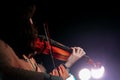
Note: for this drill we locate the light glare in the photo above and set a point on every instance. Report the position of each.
(84, 74)
(97, 73)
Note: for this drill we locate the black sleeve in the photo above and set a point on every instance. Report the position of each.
(10, 73)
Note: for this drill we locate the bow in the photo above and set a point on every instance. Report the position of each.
(50, 46)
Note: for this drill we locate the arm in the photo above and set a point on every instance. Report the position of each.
(12, 73)
(9, 70)
(20, 74)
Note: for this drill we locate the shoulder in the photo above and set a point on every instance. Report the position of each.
(6, 49)
(3, 45)
(7, 54)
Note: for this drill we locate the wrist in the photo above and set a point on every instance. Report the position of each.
(68, 64)
(66, 67)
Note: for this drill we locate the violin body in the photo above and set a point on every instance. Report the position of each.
(58, 50)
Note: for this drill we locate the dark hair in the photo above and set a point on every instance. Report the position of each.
(20, 32)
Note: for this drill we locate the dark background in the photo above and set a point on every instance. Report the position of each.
(94, 26)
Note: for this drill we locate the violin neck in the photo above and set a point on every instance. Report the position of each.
(55, 43)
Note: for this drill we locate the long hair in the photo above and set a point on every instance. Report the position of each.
(20, 32)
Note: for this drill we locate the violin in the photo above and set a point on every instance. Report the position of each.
(59, 51)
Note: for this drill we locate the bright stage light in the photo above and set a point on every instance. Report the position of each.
(97, 73)
(84, 74)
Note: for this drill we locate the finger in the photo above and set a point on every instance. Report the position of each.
(62, 68)
(60, 71)
(55, 72)
(84, 53)
(77, 50)
(50, 73)
(73, 48)
(80, 51)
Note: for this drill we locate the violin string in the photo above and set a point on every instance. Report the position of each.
(50, 47)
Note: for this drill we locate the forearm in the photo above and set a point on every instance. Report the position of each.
(20, 74)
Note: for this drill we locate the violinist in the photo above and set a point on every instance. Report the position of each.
(17, 46)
